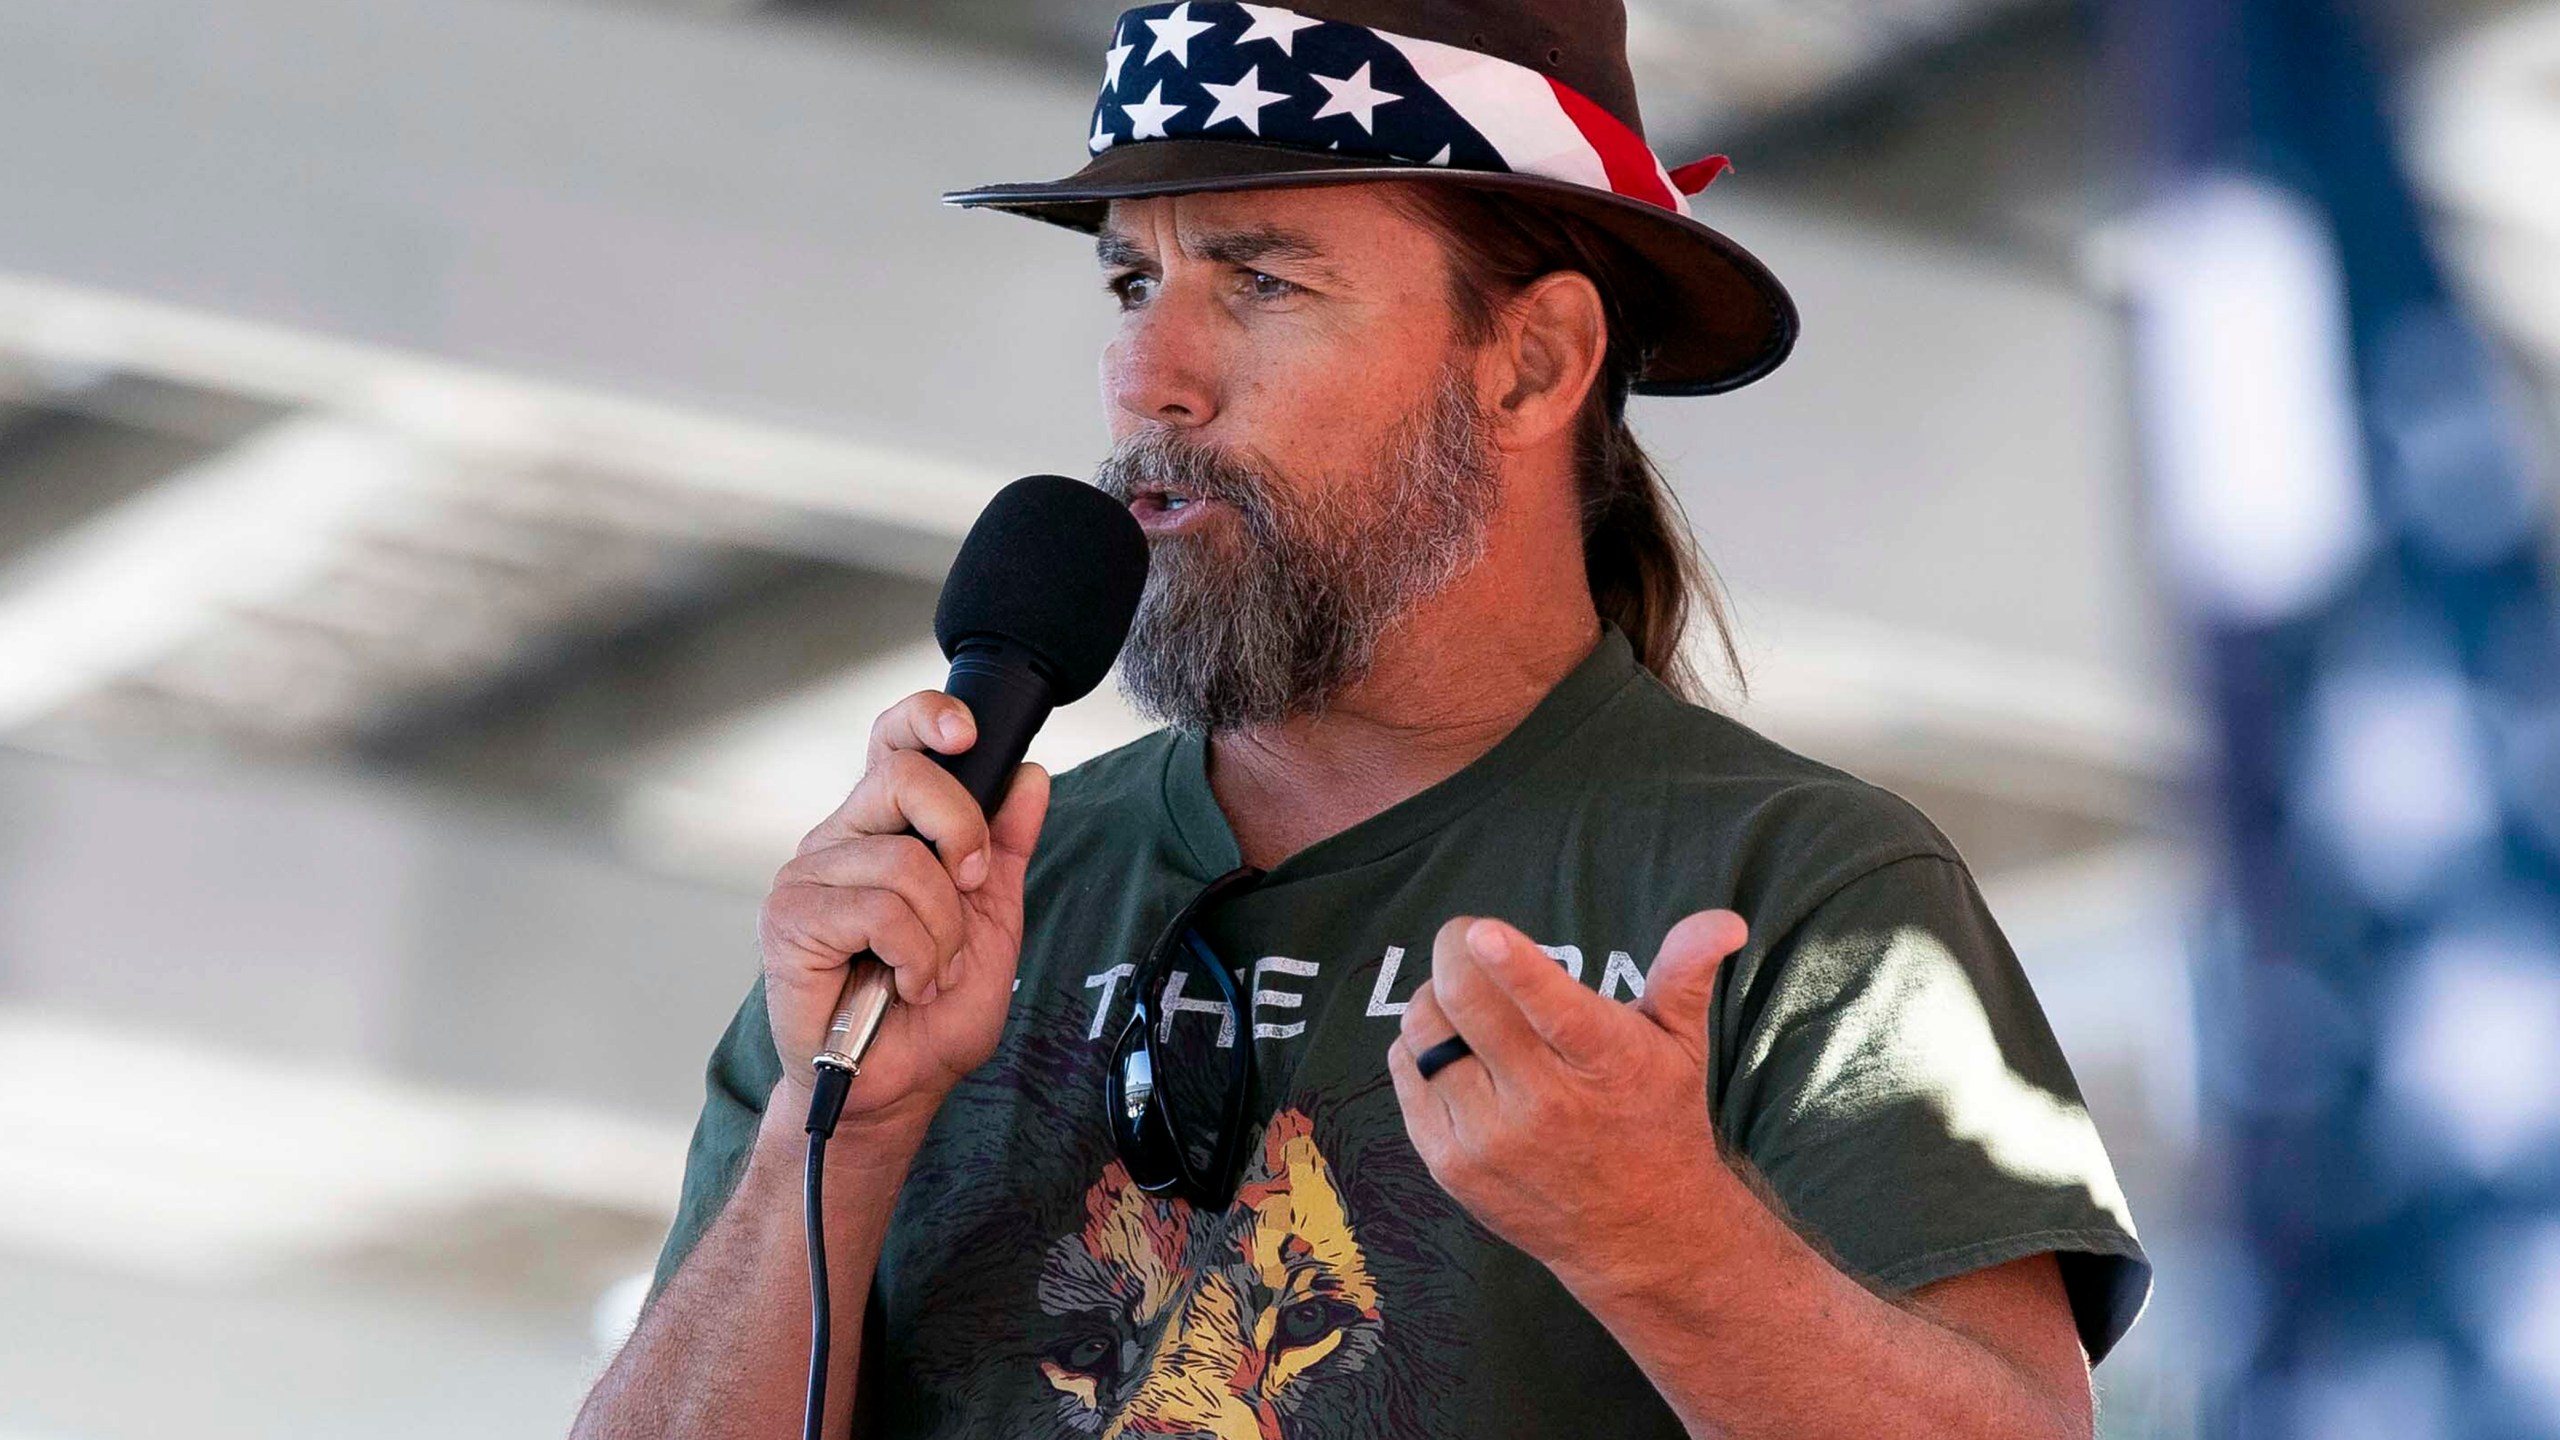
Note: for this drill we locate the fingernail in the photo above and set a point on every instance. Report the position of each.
(950, 728)
(973, 868)
(1485, 937)
(951, 973)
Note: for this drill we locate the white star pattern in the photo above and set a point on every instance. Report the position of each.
(1277, 25)
(1354, 96)
(1174, 34)
(1190, 104)
(1147, 117)
(1243, 101)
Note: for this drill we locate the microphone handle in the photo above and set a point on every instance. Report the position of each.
(1009, 699)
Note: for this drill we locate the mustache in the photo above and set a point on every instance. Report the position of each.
(1163, 460)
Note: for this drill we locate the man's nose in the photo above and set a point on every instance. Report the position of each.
(1161, 367)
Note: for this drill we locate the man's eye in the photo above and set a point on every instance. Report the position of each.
(1131, 289)
(1271, 287)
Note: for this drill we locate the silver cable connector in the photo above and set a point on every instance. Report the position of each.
(868, 993)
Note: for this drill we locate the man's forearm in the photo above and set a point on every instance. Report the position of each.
(723, 1350)
(1748, 1331)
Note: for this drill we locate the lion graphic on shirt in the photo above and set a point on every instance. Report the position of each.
(1050, 1297)
(1261, 1323)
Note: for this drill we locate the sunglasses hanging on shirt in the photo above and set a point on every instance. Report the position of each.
(1181, 1075)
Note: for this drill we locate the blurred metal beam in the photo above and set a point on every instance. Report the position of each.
(324, 581)
(582, 724)
(67, 453)
(799, 488)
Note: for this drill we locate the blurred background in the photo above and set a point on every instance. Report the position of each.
(471, 469)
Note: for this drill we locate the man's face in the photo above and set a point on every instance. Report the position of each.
(1297, 427)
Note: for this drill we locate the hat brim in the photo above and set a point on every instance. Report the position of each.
(1735, 321)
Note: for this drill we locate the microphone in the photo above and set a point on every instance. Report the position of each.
(1031, 616)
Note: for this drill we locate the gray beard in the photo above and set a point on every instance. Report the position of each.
(1246, 625)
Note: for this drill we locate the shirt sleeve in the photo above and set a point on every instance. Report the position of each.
(741, 1075)
(1898, 1087)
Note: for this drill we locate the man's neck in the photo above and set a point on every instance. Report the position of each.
(1448, 684)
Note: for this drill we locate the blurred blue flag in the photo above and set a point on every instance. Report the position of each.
(2344, 506)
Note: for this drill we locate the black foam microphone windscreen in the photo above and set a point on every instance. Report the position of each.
(1055, 566)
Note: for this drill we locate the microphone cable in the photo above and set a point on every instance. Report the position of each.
(826, 1105)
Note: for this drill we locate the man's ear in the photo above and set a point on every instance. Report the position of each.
(1554, 336)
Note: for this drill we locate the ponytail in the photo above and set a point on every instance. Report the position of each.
(1644, 566)
(1638, 555)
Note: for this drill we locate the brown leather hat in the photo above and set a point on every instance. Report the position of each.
(1532, 97)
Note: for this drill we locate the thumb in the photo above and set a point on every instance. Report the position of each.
(1683, 978)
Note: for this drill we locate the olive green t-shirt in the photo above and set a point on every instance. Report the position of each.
(1876, 1055)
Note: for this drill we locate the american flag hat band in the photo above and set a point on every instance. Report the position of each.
(1210, 95)
(1206, 68)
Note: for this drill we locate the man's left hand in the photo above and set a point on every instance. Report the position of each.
(1578, 1128)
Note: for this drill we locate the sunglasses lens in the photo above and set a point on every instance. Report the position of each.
(1176, 1073)
(1137, 1122)
(1197, 1038)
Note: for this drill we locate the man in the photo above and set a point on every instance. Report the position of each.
(1415, 627)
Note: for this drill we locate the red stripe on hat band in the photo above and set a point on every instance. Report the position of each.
(1630, 165)
(1697, 175)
